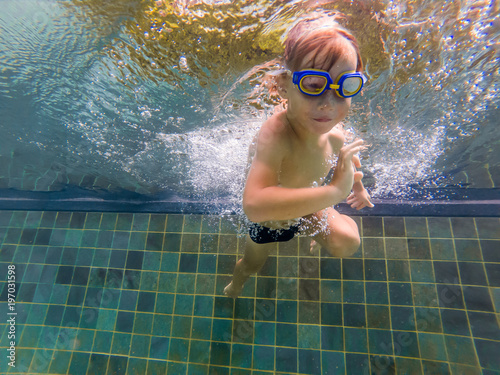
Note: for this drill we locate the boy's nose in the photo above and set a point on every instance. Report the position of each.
(328, 98)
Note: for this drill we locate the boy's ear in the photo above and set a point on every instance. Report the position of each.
(282, 84)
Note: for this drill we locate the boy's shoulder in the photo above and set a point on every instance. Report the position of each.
(274, 131)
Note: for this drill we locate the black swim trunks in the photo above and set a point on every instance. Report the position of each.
(262, 235)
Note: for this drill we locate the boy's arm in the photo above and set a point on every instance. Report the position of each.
(264, 200)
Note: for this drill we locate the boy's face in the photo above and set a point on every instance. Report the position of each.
(319, 114)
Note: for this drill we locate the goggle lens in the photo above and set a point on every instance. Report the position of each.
(351, 86)
(313, 85)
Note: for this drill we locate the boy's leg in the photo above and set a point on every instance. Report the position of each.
(335, 232)
(253, 259)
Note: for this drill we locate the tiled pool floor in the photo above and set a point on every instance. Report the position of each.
(101, 293)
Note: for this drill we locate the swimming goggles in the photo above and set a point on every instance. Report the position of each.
(314, 82)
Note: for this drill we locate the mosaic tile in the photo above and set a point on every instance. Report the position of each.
(143, 293)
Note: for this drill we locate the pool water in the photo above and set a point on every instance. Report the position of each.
(106, 293)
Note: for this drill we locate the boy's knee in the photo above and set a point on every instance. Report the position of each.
(344, 245)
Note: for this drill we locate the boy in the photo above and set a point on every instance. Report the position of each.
(295, 150)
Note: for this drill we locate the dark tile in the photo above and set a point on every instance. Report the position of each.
(468, 250)
(146, 301)
(372, 227)
(286, 334)
(378, 316)
(416, 227)
(450, 295)
(184, 304)
(396, 248)
(309, 267)
(309, 361)
(199, 351)
(243, 308)
(79, 363)
(69, 256)
(472, 273)
(428, 320)
(376, 293)
(490, 250)
(373, 247)
(117, 364)
(442, 249)
(375, 270)
(403, 318)
(104, 239)
(382, 364)
(188, 262)
(455, 322)
(157, 222)
(431, 367)
(484, 325)
(220, 353)
(190, 243)
(223, 307)
(76, 295)
(380, 341)
(226, 264)
(54, 315)
(398, 270)
(446, 272)
(124, 321)
(439, 227)
(81, 275)
(487, 351)
(64, 275)
(488, 227)
(352, 269)
(332, 338)
(400, 294)
(353, 292)
(131, 279)
(154, 242)
(181, 327)
(309, 290)
(114, 278)
(394, 227)
(286, 360)
(98, 364)
(477, 298)
(26, 292)
(203, 306)
(330, 268)
(265, 333)
(43, 236)
(120, 240)
(265, 309)
(309, 312)
(493, 272)
(159, 349)
(463, 227)
(422, 271)
(71, 316)
(357, 363)
(461, 350)
(266, 287)
(354, 315)
(405, 344)
(286, 311)
(118, 258)
(419, 248)
(207, 263)
(263, 358)
(243, 331)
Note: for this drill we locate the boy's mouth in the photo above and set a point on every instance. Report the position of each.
(322, 119)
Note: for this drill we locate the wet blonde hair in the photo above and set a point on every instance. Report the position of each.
(320, 37)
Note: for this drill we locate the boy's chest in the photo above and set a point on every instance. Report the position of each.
(306, 169)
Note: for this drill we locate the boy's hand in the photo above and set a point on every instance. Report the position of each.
(343, 177)
(359, 199)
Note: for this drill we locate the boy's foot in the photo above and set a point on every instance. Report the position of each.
(315, 248)
(230, 291)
